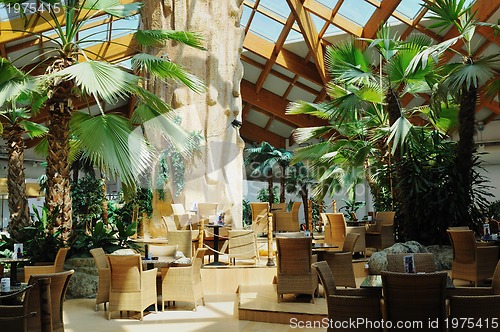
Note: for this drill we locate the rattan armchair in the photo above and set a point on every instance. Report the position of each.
(470, 261)
(42, 306)
(335, 231)
(294, 259)
(476, 309)
(424, 262)
(103, 272)
(242, 244)
(381, 234)
(348, 304)
(413, 297)
(131, 288)
(341, 262)
(259, 217)
(287, 221)
(184, 241)
(45, 269)
(183, 283)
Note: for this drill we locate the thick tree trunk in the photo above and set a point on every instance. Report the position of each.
(58, 195)
(18, 202)
(466, 147)
(304, 194)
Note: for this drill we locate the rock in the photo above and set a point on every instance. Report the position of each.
(378, 261)
(443, 256)
(83, 284)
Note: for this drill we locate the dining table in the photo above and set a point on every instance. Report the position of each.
(375, 281)
(13, 267)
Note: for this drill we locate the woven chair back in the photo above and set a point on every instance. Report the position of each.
(183, 240)
(125, 273)
(337, 228)
(294, 255)
(464, 245)
(279, 207)
(59, 282)
(325, 277)
(99, 258)
(60, 258)
(415, 296)
(424, 262)
(350, 242)
(295, 211)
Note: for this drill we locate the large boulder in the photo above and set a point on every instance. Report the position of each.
(443, 255)
(83, 284)
(378, 260)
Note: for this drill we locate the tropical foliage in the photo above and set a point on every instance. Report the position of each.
(71, 71)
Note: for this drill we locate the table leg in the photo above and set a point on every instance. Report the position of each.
(216, 249)
(13, 274)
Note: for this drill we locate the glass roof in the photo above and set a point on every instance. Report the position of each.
(358, 11)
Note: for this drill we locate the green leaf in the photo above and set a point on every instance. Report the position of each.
(34, 129)
(158, 37)
(108, 141)
(165, 69)
(399, 131)
(113, 7)
(100, 79)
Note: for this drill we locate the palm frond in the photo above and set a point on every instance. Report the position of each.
(107, 140)
(157, 37)
(399, 131)
(34, 130)
(301, 135)
(165, 69)
(100, 79)
(321, 110)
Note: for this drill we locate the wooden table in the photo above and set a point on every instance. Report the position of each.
(13, 268)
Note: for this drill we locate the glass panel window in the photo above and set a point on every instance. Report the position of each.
(279, 7)
(245, 16)
(358, 11)
(409, 8)
(266, 27)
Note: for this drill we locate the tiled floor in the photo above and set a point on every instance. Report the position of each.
(218, 315)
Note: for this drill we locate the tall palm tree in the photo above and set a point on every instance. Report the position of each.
(462, 80)
(267, 156)
(73, 71)
(15, 114)
(365, 113)
(297, 182)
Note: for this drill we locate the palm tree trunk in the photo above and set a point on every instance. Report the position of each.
(58, 197)
(18, 202)
(304, 194)
(466, 147)
(105, 210)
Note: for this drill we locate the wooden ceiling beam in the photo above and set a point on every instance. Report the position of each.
(277, 49)
(12, 30)
(285, 58)
(253, 133)
(274, 104)
(378, 18)
(310, 34)
(338, 20)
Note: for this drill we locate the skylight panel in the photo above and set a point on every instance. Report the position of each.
(278, 7)
(266, 27)
(125, 26)
(327, 3)
(318, 22)
(409, 8)
(294, 36)
(357, 11)
(245, 16)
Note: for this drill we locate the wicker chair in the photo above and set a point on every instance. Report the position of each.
(103, 271)
(20, 317)
(259, 217)
(182, 219)
(183, 283)
(184, 241)
(336, 229)
(415, 297)
(287, 221)
(45, 269)
(424, 262)
(346, 304)
(471, 262)
(131, 288)
(278, 207)
(361, 242)
(381, 234)
(341, 262)
(476, 308)
(242, 244)
(294, 260)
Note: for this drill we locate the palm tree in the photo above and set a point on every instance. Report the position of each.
(15, 115)
(73, 71)
(462, 80)
(267, 156)
(298, 181)
(365, 113)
